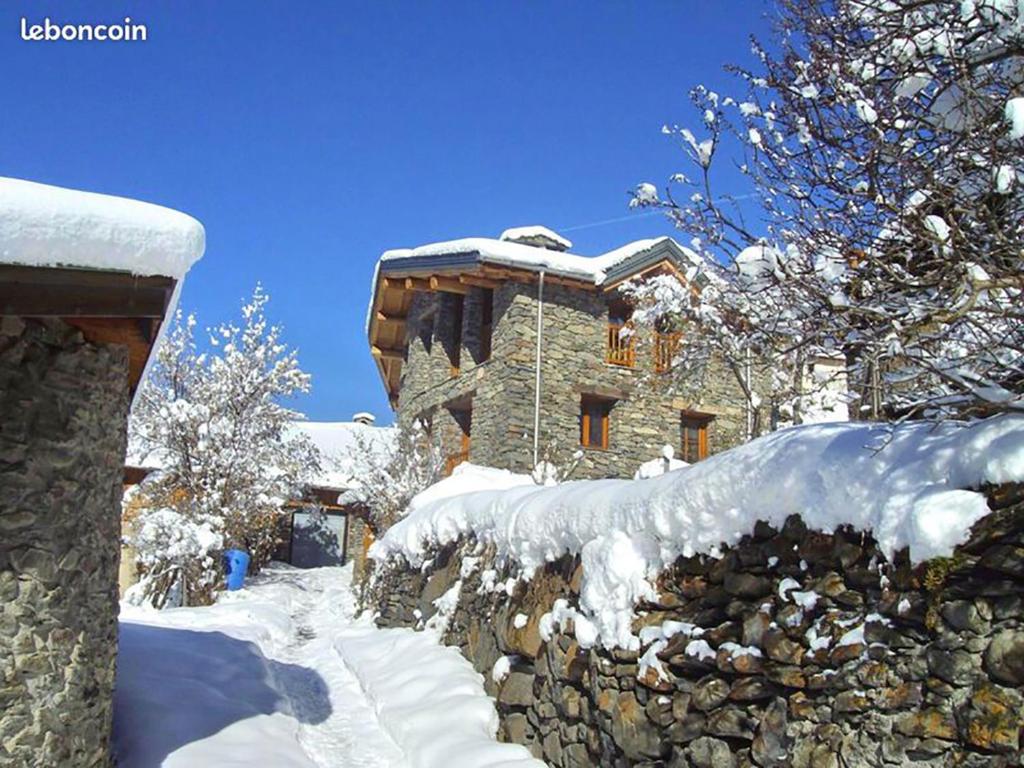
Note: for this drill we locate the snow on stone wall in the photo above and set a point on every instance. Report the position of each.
(787, 647)
(908, 485)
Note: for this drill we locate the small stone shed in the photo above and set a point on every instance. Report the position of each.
(86, 284)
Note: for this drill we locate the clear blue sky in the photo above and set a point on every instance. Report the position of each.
(310, 136)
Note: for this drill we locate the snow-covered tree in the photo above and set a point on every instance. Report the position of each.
(391, 475)
(883, 140)
(215, 423)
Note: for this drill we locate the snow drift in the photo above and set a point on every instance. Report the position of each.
(909, 485)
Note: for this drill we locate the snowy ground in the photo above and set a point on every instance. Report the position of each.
(281, 674)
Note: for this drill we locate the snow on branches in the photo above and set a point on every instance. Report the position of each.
(214, 422)
(882, 139)
(389, 478)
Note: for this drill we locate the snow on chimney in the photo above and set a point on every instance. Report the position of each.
(538, 237)
(364, 418)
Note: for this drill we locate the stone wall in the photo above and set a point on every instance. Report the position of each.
(645, 416)
(886, 665)
(63, 416)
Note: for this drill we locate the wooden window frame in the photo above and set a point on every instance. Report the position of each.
(465, 442)
(666, 345)
(588, 404)
(690, 420)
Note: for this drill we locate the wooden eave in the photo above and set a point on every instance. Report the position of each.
(107, 307)
(392, 299)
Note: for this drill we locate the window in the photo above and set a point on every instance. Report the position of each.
(693, 428)
(595, 415)
(486, 323)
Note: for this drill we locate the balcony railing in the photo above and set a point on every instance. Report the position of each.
(665, 347)
(621, 349)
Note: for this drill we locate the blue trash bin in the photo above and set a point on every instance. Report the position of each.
(236, 563)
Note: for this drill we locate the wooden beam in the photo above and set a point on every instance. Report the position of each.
(448, 285)
(53, 292)
(479, 282)
(416, 284)
(385, 318)
(387, 354)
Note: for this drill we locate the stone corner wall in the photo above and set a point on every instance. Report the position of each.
(63, 421)
(883, 665)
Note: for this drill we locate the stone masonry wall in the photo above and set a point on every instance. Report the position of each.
(887, 666)
(63, 418)
(645, 416)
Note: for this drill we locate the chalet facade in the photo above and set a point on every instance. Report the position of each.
(464, 332)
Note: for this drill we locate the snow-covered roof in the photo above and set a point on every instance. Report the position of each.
(471, 257)
(536, 235)
(338, 443)
(471, 251)
(46, 226)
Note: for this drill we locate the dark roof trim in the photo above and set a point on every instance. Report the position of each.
(666, 250)
(55, 292)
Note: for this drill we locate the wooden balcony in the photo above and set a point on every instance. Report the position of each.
(666, 345)
(621, 349)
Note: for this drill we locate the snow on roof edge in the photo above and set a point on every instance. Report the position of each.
(47, 226)
(468, 250)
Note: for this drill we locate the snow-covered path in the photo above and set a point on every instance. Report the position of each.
(350, 736)
(252, 680)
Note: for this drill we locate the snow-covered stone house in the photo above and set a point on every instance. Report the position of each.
(86, 283)
(504, 348)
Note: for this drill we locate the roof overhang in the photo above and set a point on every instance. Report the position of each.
(664, 256)
(107, 307)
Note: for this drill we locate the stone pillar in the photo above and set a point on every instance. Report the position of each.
(63, 421)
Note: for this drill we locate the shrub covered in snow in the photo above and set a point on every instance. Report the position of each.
(393, 473)
(177, 554)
